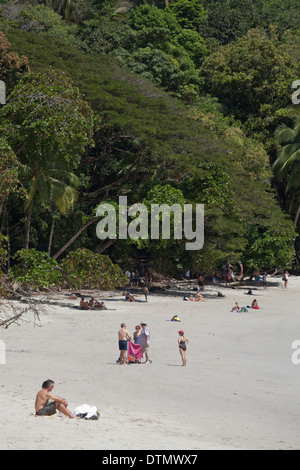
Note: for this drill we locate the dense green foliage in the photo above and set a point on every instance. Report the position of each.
(35, 269)
(163, 101)
(85, 269)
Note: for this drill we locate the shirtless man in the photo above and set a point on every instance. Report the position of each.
(46, 404)
(236, 308)
(84, 305)
(124, 337)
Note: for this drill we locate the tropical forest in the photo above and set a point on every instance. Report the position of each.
(164, 102)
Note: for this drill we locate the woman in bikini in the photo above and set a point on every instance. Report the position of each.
(182, 342)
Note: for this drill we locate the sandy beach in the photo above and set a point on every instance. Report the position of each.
(240, 389)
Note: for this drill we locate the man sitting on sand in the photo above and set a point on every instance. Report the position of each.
(84, 305)
(236, 308)
(46, 404)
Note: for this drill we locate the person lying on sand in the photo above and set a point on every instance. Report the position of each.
(198, 297)
(236, 308)
(46, 404)
(100, 306)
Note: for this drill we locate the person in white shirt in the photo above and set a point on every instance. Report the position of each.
(145, 341)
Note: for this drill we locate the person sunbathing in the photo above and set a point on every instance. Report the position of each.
(255, 304)
(199, 297)
(84, 305)
(129, 297)
(100, 306)
(236, 308)
(46, 403)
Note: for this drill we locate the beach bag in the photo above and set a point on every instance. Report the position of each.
(132, 358)
(175, 318)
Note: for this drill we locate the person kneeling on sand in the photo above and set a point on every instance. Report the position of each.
(46, 404)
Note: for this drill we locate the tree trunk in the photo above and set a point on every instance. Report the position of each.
(292, 204)
(8, 242)
(28, 213)
(72, 240)
(101, 249)
(297, 216)
(51, 238)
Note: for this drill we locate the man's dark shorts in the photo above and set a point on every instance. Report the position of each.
(48, 410)
(123, 345)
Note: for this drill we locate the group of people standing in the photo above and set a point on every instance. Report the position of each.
(141, 337)
(133, 277)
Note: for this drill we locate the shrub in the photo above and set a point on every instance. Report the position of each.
(35, 269)
(87, 270)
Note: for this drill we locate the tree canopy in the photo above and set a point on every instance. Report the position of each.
(174, 101)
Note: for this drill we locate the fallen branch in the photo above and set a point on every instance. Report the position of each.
(12, 308)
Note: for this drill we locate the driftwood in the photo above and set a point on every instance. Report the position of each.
(17, 304)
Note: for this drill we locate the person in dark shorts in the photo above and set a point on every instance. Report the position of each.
(46, 403)
(123, 337)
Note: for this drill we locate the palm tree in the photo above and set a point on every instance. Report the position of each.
(62, 7)
(287, 165)
(51, 183)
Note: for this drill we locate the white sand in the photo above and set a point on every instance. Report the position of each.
(239, 390)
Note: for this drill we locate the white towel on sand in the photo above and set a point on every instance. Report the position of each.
(87, 410)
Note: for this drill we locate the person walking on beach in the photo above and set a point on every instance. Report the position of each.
(182, 342)
(286, 278)
(46, 403)
(145, 341)
(123, 337)
(265, 281)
